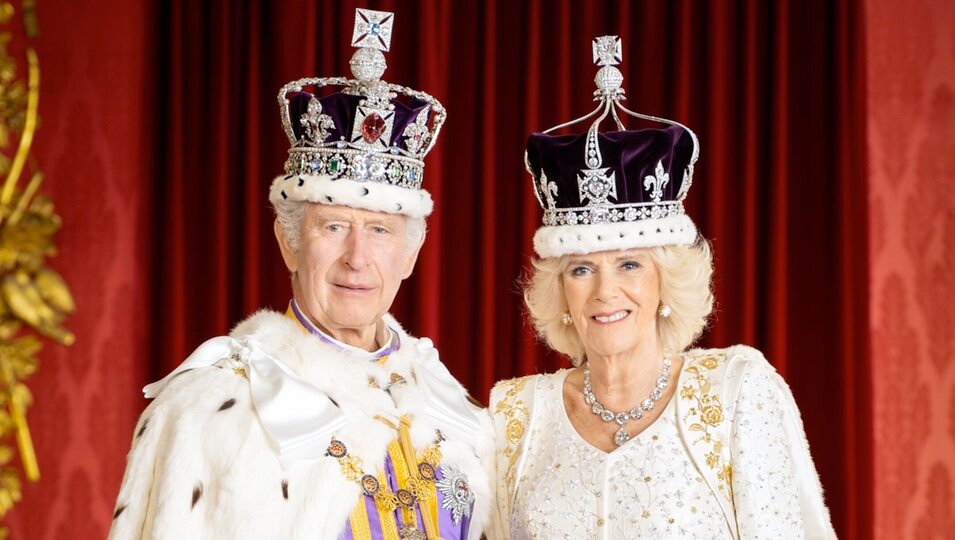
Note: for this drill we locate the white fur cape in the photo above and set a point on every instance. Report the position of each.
(202, 464)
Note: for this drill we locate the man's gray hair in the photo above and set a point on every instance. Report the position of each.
(290, 214)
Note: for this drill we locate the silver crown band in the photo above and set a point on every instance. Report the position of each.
(358, 165)
(617, 213)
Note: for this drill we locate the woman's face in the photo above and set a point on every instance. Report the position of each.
(613, 297)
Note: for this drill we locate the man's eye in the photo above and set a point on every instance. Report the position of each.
(379, 230)
(334, 227)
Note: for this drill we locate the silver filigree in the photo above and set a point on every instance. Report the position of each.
(315, 124)
(654, 184)
(596, 185)
(416, 134)
(458, 497)
(548, 189)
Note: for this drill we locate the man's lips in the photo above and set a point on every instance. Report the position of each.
(353, 287)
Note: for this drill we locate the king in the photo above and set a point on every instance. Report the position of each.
(328, 421)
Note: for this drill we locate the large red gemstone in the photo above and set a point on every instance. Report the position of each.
(372, 127)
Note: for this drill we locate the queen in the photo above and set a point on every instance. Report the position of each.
(642, 438)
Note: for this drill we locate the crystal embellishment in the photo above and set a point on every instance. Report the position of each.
(636, 413)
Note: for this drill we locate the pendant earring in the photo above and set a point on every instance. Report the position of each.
(666, 311)
(566, 320)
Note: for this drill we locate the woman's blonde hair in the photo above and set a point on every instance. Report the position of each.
(685, 285)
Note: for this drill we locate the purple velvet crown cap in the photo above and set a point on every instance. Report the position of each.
(343, 107)
(631, 155)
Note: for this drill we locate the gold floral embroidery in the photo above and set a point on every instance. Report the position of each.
(515, 412)
(706, 414)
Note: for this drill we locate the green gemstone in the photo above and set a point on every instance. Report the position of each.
(334, 164)
(394, 172)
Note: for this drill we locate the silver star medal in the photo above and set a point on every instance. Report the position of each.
(458, 497)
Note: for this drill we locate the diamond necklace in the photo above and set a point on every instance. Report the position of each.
(636, 413)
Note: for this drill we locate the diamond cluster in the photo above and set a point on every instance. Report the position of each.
(356, 165)
(611, 214)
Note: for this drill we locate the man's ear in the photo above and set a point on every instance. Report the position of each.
(288, 254)
(413, 257)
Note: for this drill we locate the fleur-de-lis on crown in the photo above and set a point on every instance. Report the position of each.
(655, 183)
(315, 124)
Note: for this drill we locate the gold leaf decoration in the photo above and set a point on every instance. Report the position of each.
(34, 298)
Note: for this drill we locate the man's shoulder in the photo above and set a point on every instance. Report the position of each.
(204, 387)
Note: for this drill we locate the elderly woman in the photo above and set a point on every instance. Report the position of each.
(329, 421)
(642, 438)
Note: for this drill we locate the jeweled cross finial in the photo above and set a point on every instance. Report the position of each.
(372, 35)
(372, 29)
(608, 51)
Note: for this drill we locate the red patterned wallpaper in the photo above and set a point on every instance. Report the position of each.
(95, 99)
(911, 124)
(91, 145)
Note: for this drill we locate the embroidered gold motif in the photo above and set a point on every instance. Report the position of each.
(705, 414)
(515, 412)
(240, 372)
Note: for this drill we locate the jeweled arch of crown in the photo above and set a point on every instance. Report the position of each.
(366, 155)
(596, 184)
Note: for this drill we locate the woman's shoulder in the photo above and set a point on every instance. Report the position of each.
(734, 371)
(727, 359)
(510, 388)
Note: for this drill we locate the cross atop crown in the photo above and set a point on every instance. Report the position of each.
(608, 51)
(372, 29)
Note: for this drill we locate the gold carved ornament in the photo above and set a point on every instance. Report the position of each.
(34, 299)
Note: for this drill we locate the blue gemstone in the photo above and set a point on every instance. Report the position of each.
(373, 28)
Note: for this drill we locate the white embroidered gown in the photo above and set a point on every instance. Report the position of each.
(647, 488)
(727, 458)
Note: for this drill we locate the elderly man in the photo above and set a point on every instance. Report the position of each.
(329, 421)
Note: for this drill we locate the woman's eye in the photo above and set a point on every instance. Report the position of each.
(630, 265)
(579, 271)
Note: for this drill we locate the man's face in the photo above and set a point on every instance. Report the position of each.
(348, 265)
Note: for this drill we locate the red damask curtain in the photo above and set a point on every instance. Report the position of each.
(773, 89)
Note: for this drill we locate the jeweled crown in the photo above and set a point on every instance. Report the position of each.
(370, 132)
(611, 190)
